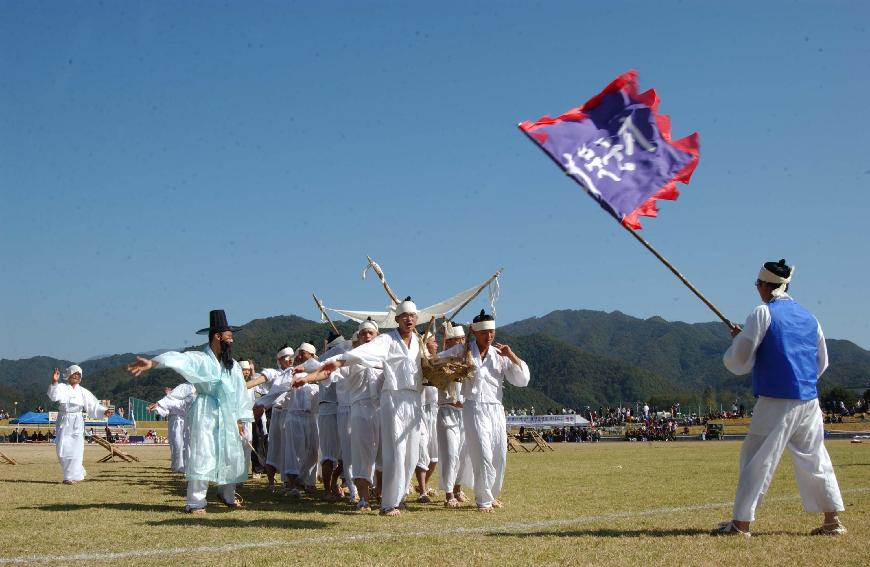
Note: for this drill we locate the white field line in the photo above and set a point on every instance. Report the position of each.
(382, 535)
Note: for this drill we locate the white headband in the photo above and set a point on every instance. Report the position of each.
(406, 307)
(451, 332)
(766, 275)
(483, 326)
(285, 352)
(307, 347)
(245, 365)
(368, 325)
(72, 370)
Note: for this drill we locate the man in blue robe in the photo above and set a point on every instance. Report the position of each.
(218, 414)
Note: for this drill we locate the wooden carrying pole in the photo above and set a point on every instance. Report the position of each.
(323, 312)
(681, 277)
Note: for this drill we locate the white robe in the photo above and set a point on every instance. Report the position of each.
(362, 385)
(327, 410)
(400, 409)
(174, 406)
(70, 429)
(274, 399)
(484, 419)
(343, 426)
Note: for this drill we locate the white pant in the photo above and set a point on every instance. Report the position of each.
(197, 489)
(400, 443)
(327, 435)
(275, 452)
(428, 437)
(796, 425)
(454, 464)
(301, 452)
(365, 432)
(177, 443)
(486, 436)
(344, 439)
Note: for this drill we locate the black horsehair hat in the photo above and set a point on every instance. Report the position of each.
(217, 323)
(483, 316)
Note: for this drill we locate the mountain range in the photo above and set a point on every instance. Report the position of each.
(578, 358)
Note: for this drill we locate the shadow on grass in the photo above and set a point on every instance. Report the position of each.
(213, 520)
(125, 506)
(12, 481)
(605, 532)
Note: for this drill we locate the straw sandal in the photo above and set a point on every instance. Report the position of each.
(392, 512)
(832, 529)
(195, 511)
(452, 503)
(237, 504)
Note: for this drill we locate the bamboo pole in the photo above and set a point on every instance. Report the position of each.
(323, 312)
(681, 277)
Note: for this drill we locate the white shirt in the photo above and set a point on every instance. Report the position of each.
(486, 386)
(740, 356)
(401, 363)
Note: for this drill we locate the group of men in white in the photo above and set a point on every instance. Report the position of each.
(360, 412)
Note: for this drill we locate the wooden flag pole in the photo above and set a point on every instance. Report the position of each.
(323, 312)
(681, 277)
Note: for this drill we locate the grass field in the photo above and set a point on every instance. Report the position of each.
(590, 504)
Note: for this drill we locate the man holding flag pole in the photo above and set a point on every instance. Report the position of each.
(619, 149)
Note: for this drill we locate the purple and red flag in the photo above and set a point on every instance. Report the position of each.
(619, 149)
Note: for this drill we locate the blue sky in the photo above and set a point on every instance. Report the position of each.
(160, 159)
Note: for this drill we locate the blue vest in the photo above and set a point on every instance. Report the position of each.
(786, 360)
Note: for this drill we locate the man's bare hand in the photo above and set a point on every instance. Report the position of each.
(55, 376)
(735, 330)
(151, 407)
(141, 366)
(505, 350)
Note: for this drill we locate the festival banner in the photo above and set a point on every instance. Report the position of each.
(619, 149)
(567, 420)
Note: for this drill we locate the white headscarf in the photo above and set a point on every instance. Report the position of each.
(766, 275)
(72, 370)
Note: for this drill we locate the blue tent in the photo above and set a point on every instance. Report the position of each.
(31, 418)
(34, 418)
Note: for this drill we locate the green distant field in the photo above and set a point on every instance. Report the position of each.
(589, 504)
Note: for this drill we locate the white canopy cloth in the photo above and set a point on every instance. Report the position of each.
(440, 310)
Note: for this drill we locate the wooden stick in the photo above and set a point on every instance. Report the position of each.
(681, 277)
(476, 293)
(380, 275)
(7, 459)
(323, 312)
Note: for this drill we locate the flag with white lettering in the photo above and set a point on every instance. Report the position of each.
(619, 149)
